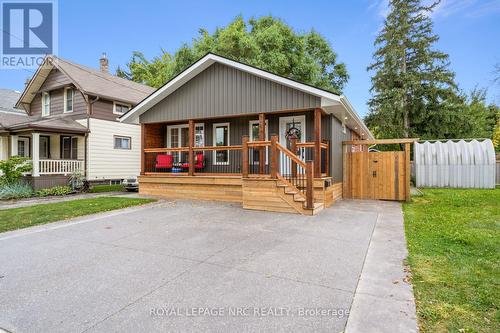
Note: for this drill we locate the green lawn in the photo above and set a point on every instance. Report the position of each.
(17, 218)
(454, 254)
(107, 188)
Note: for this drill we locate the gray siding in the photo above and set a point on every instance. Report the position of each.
(336, 157)
(221, 90)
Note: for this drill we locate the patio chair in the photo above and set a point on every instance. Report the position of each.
(164, 162)
(199, 162)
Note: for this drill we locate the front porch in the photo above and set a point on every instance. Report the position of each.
(55, 156)
(240, 159)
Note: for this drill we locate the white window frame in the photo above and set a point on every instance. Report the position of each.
(177, 155)
(214, 140)
(169, 130)
(27, 147)
(122, 137)
(45, 109)
(250, 124)
(66, 99)
(122, 104)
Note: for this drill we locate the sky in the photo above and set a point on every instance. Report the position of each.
(469, 32)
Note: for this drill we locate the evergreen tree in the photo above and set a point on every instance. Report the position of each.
(414, 93)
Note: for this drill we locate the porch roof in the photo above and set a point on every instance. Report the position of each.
(53, 124)
(331, 103)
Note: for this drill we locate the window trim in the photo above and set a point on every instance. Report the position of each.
(122, 104)
(122, 137)
(214, 141)
(61, 147)
(27, 146)
(45, 112)
(169, 130)
(48, 146)
(65, 110)
(266, 137)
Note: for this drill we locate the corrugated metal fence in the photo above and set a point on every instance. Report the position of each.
(455, 164)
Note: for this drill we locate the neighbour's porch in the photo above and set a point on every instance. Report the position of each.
(234, 159)
(54, 155)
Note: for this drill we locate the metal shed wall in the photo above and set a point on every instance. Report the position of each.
(452, 164)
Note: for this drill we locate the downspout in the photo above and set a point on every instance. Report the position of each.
(89, 112)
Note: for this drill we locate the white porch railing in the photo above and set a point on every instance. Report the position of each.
(52, 167)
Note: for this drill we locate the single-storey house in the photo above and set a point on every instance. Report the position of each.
(66, 121)
(224, 130)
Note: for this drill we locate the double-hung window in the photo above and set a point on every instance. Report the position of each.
(221, 139)
(45, 104)
(68, 100)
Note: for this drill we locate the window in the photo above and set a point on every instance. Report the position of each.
(119, 108)
(44, 147)
(254, 136)
(45, 104)
(178, 136)
(69, 147)
(23, 147)
(221, 138)
(68, 99)
(122, 142)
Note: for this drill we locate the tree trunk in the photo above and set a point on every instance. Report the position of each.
(404, 104)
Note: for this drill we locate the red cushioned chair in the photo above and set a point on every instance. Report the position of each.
(164, 162)
(199, 162)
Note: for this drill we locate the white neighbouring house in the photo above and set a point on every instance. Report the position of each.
(66, 121)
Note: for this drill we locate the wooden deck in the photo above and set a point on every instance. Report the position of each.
(259, 192)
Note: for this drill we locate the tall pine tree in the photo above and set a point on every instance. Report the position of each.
(413, 90)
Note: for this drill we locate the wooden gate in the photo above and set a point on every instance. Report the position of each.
(376, 175)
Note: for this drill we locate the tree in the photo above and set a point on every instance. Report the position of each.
(414, 93)
(265, 42)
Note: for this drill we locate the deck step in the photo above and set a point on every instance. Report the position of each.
(292, 192)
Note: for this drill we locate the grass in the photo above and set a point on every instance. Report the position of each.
(107, 188)
(17, 218)
(454, 254)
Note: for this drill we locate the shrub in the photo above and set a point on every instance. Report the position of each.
(15, 191)
(13, 169)
(56, 190)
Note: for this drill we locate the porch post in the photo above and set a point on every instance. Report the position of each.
(317, 143)
(262, 137)
(35, 155)
(274, 156)
(244, 156)
(143, 146)
(191, 152)
(13, 145)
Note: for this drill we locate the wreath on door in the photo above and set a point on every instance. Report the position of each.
(293, 132)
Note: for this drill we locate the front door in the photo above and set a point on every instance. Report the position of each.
(286, 123)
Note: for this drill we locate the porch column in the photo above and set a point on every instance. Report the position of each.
(317, 143)
(143, 146)
(262, 137)
(35, 154)
(13, 145)
(191, 152)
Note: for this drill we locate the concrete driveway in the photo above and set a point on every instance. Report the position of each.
(192, 266)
